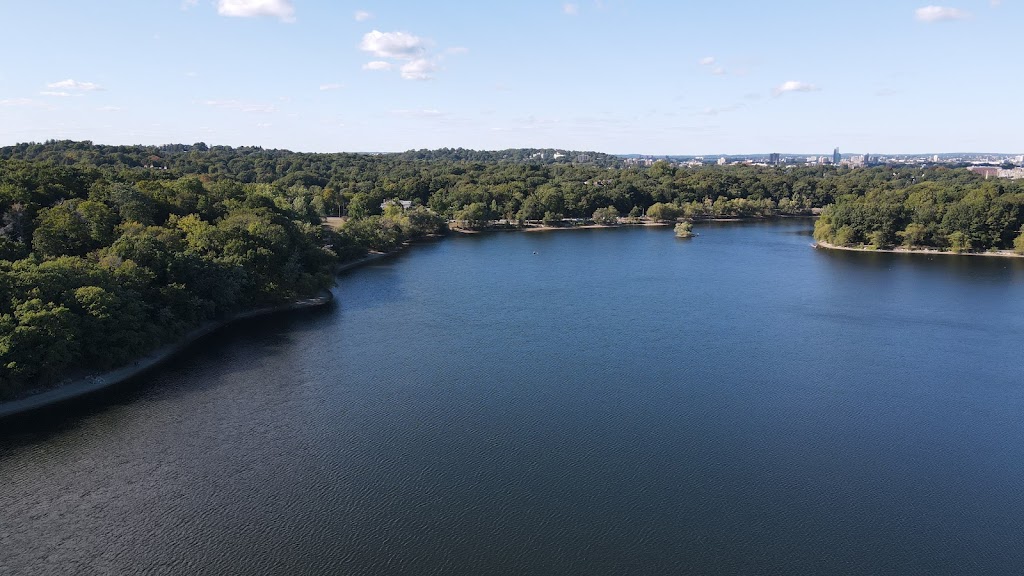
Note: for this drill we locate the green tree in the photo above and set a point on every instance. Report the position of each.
(662, 212)
(606, 216)
(914, 235)
(553, 218)
(473, 216)
(72, 227)
(959, 241)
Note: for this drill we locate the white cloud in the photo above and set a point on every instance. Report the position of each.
(281, 9)
(718, 71)
(995, 3)
(421, 113)
(410, 53)
(53, 93)
(186, 4)
(362, 15)
(419, 69)
(397, 45)
(17, 102)
(707, 61)
(70, 84)
(570, 9)
(331, 86)
(377, 65)
(242, 106)
(108, 109)
(793, 86)
(940, 14)
(455, 50)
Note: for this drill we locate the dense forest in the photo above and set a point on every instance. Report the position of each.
(107, 252)
(954, 214)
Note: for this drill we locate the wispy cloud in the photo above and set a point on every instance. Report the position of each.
(75, 85)
(53, 93)
(242, 106)
(379, 65)
(711, 61)
(420, 113)
(331, 86)
(16, 102)
(570, 9)
(108, 109)
(940, 14)
(280, 9)
(794, 86)
(419, 69)
(362, 15)
(715, 111)
(187, 4)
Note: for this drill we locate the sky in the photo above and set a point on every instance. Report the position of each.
(617, 76)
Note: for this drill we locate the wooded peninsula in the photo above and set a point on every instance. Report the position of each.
(108, 252)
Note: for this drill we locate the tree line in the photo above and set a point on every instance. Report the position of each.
(109, 251)
(968, 216)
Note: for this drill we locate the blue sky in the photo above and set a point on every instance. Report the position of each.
(619, 76)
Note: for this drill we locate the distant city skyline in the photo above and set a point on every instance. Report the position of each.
(641, 77)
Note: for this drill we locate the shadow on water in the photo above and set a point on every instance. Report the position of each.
(254, 335)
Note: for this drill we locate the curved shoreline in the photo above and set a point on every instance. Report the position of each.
(93, 383)
(928, 251)
(96, 382)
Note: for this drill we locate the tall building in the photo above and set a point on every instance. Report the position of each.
(774, 158)
(836, 156)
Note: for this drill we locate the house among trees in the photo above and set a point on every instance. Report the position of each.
(406, 204)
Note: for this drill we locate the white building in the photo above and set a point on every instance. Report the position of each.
(405, 204)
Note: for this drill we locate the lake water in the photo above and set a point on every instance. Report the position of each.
(585, 402)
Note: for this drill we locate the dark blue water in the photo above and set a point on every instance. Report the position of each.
(585, 402)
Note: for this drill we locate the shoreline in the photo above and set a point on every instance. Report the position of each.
(89, 384)
(928, 251)
(96, 382)
(77, 387)
(594, 226)
(502, 227)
